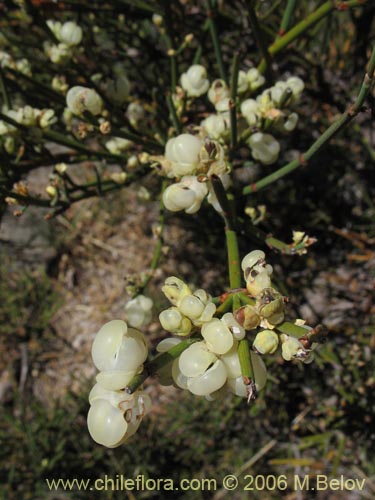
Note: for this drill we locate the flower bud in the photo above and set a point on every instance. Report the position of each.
(255, 79)
(186, 195)
(218, 336)
(250, 111)
(247, 316)
(194, 81)
(80, 99)
(264, 147)
(266, 342)
(70, 34)
(175, 290)
(183, 151)
(257, 280)
(219, 90)
(215, 126)
(270, 305)
(138, 311)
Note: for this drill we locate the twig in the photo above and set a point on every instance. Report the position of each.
(333, 130)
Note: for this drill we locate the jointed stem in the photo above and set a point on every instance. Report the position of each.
(304, 25)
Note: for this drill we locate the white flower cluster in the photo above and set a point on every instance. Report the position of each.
(26, 116)
(211, 366)
(21, 65)
(69, 35)
(271, 110)
(194, 161)
(81, 99)
(267, 312)
(139, 311)
(119, 353)
(189, 309)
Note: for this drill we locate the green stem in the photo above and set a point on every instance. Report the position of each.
(159, 362)
(233, 94)
(215, 40)
(287, 17)
(305, 24)
(334, 129)
(233, 259)
(173, 114)
(258, 35)
(3, 91)
(170, 42)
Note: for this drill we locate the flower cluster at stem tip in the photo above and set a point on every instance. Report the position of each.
(192, 159)
(208, 366)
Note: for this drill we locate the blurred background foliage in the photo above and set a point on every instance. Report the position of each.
(310, 419)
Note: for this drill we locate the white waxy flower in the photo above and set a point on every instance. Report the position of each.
(194, 81)
(174, 322)
(216, 126)
(266, 342)
(296, 85)
(135, 113)
(219, 90)
(114, 416)
(166, 344)
(218, 336)
(252, 259)
(250, 111)
(114, 380)
(255, 79)
(80, 99)
(179, 379)
(242, 82)
(198, 307)
(139, 311)
(223, 106)
(118, 89)
(210, 381)
(290, 123)
(232, 362)
(118, 145)
(58, 54)
(55, 27)
(46, 118)
(175, 290)
(264, 147)
(292, 348)
(117, 347)
(183, 152)
(106, 424)
(257, 281)
(196, 359)
(237, 330)
(188, 195)
(70, 34)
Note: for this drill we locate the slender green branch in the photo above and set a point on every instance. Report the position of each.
(258, 35)
(4, 92)
(233, 95)
(173, 115)
(230, 233)
(233, 259)
(338, 125)
(171, 44)
(215, 40)
(305, 24)
(157, 363)
(287, 17)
